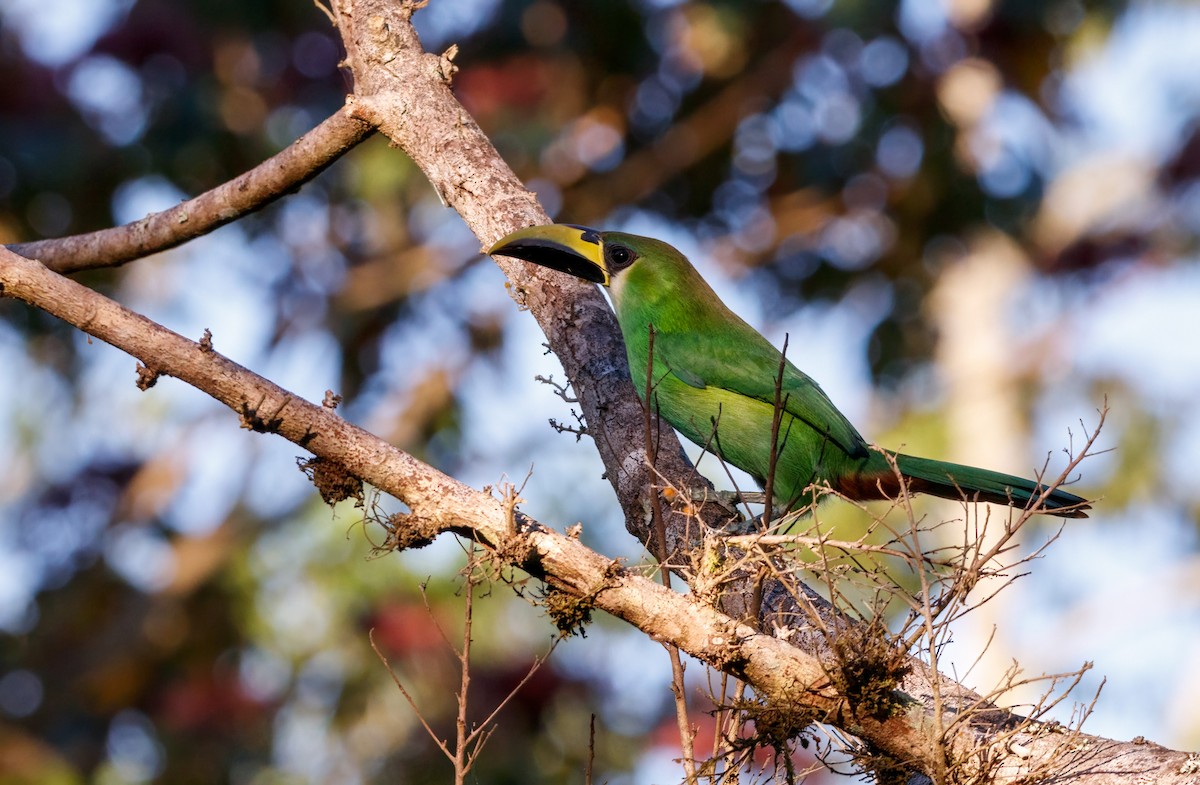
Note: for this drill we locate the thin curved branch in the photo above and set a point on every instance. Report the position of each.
(281, 174)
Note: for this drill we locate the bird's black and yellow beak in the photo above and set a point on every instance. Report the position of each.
(564, 247)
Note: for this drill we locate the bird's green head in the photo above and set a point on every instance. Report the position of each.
(600, 257)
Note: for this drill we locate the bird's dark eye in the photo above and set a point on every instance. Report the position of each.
(618, 257)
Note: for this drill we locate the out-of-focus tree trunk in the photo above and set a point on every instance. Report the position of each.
(984, 422)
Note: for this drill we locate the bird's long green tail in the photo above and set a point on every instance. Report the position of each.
(958, 482)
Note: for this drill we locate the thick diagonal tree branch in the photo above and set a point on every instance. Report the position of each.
(438, 501)
(791, 679)
(279, 175)
(406, 92)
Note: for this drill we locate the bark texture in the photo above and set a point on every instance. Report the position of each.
(406, 93)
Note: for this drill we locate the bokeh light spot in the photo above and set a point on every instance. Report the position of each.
(883, 61)
(21, 693)
(900, 151)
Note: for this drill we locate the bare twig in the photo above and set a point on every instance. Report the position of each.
(408, 697)
(462, 755)
(325, 10)
(777, 412)
(821, 542)
(468, 741)
(587, 773)
(687, 733)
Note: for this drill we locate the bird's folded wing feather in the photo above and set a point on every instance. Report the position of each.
(749, 365)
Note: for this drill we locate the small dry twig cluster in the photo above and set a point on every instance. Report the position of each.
(900, 587)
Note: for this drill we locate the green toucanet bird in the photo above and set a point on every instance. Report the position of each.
(715, 379)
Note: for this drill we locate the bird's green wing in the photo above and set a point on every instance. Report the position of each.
(747, 364)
